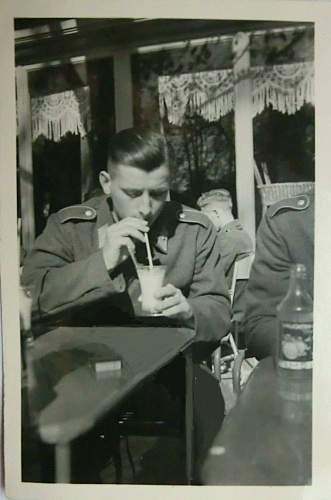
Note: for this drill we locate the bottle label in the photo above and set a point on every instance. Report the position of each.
(296, 346)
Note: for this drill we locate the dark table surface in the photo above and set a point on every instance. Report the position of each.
(264, 439)
(66, 396)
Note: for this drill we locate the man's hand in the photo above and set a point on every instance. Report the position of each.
(119, 241)
(173, 304)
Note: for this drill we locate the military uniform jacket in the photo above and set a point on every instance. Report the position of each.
(285, 237)
(71, 282)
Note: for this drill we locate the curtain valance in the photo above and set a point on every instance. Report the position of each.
(211, 93)
(285, 87)
(56, 114)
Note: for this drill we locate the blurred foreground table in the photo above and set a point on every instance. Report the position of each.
(264, 439)
(67, 397)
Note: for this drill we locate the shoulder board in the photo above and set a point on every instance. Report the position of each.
(300, 202)
(192, 216)
(78, 212)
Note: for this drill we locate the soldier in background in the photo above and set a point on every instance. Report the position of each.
(234, 242)
(285, 237)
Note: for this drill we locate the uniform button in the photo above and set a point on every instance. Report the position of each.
(182, 216)
(88, 213)
(301, 203)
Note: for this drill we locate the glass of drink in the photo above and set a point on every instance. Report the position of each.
(151, 279)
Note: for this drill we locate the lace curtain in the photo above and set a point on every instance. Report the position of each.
(285, 87)
(211, 93)
(56, 114)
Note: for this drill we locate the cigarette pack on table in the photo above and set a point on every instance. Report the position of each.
(108, 362)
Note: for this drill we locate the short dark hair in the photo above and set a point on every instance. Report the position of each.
(140, 148)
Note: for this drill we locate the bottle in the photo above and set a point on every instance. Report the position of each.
(294, 353)
(29, 408)
(25, 308)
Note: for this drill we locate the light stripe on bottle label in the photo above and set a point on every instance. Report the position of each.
(295, 365)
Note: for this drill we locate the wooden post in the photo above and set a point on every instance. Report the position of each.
(243, 124)
(85, 168)
(25, 157)
(123, 90)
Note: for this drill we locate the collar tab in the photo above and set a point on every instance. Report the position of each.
(161, 244)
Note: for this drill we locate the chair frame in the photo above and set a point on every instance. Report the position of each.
(241, 271)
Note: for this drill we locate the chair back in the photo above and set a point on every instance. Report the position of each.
(241, 271)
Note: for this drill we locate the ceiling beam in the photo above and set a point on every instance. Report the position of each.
(79, 37)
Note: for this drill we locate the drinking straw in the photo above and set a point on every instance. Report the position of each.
(149, 254)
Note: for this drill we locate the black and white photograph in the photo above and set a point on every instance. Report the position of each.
(165, 214)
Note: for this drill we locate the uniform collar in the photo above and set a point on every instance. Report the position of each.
(163, 227)
(104, 212)
(104, 218)
(158, 234)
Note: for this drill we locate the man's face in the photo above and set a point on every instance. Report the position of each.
(136, 193)
(218, 213)
(212, 214)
